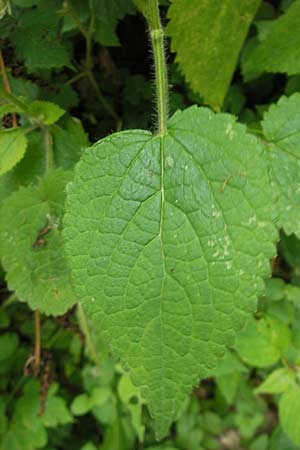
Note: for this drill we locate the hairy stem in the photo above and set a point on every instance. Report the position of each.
(161, 75)
(7, 85)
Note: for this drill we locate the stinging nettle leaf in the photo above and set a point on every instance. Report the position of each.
(13, 145)
(279, 381)
(31, 245)
(280, 50)
(44, 112)
(207, 37)
(168, 240)
(37, 39)
(281, 127)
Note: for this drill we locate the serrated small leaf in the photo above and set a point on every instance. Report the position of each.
(279, 51)
(36, 37)
(281, 127)
(279, 381)
(13, 145)
(8, 108)
(31, 246)
(212, 32)
(168, 240)
(44, 112)
(56, 411)
(69, 139)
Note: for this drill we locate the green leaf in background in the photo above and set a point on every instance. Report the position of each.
(279, 51)
(281, 127)
(89, 446)
(8, 345)
(289, 413)
(37, 40)
(277, 382)
(130, 395)
(25, 430)
(8, 108)
(56, 411)
(168, 239)
(31, 245)
(228, 385)
(44, 112)
(290, 249)
(26, 3)
(261, 342)
(108, 13)
(68, 141)
(13, 145)
(280, 440)
(84, 403)
(207, 37)
(80, 405)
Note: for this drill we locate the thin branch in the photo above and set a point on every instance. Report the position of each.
(37, 344)
(101, 97)
(72, 13)
(7, 85)
(48, 142)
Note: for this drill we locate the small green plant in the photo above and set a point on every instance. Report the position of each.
(146, 256)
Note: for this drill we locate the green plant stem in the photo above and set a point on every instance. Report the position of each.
(7, 85)
(101, 97)
(85, 328)
(161, 75)
(76, 19)
(89, 65)
(76, 77)
(89, 60)
(48, 143)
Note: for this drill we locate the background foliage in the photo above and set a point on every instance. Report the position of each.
(76, 71)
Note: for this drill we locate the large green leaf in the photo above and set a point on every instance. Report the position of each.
(279, 51)
(31, 245)
(207, 37)
(168, 239)
(281, 127)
